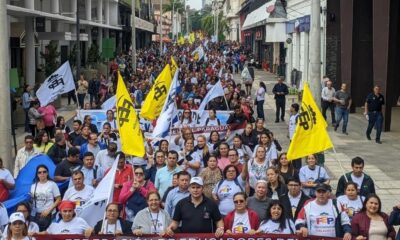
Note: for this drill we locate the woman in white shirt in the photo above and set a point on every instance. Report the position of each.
(25, 209)
(351, 202)
(312, 174)
(46, 197)
(276, 221)
(260, 98)
(69, 223)
(17, 228)
(113, 224)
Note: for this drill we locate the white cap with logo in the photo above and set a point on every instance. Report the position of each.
(17, 216)
(196, 180)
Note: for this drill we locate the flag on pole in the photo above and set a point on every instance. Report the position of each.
(128, 123)
(109, 104)
(93, 210)
(310, 135)
(216, 91)
(59, 82)
(198, 53)
(168, 112)
(155, 99)
(181, 40)
(192, 38)
(174, 66)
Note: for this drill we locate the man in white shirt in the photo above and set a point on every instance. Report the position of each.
(318, 217)
(327, 96)
(24, 155)
(79, 193)
(105, 158)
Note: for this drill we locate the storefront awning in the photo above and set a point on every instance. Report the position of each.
(259, 16)
(275, 31)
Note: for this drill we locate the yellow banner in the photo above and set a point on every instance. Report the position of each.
(174, 66)
(181, 40)
(128, 122)
(192, 38)
(310, 135)
(154, 101)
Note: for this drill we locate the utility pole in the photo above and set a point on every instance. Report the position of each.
(133, 40)
(161, 25)
(78, 43)
(187, 17)
(173, 19)
(315, 52)
(217, 27)
(5, 105)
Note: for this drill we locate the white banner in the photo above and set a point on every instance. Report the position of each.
(61, 81)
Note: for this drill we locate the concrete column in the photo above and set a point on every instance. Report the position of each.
(88, 7)
(29, 52)
(289, 62)
(107, 12)
(89, 42)
(100, 11)
(55, 6)
(73, 9)
(5, 106)
(306, 56)
(30, 4)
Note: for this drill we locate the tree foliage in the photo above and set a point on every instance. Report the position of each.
(50, 57)
(176, 5)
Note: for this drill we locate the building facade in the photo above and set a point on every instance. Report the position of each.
(230, 11)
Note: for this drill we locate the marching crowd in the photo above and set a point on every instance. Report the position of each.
(192, 184)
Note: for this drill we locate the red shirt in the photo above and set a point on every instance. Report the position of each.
(121, 176)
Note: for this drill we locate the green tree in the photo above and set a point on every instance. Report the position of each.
(207, 23)
(93, 54)
(50, 57)
(177, 5)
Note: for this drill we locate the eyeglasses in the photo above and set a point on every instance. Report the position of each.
(187, 112)
(139, 174)
(238, 201)
(112, 210)
(28, 142)
(293, 185)
(42, 172)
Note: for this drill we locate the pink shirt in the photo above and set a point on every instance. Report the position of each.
(49, 116)
(223, 162)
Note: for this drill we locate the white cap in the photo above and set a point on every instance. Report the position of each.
(17, 216)
(197, 180)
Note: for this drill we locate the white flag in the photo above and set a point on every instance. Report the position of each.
(61, 81)
(168, 112)
(199, 51)
(93, 210)
(216, 91)
(109, 104)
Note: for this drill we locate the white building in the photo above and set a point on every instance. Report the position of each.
(230, 11)
(298, 30)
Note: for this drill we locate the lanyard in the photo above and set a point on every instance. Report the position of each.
(115, 227)
(154, 221)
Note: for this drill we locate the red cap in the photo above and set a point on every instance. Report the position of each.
(66, 204)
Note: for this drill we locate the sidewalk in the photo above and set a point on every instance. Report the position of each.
(381, 160)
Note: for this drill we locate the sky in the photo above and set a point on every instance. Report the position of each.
(195, 4)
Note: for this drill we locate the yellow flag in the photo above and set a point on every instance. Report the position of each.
(128, 122)
(154, 102)
(181, 40)
(174, 66)
(310, 135)
(192, 38)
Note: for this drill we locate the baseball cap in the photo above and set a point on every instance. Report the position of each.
(323, 186)
(17, 216)
(196, 180)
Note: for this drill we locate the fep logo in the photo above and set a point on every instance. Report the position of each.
(324, 219)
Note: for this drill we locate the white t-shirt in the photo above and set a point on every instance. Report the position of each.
(32, 228)
(76, 226)
(257, 172)
(195, 159)
(103, 160)
(213, 122)
(351, 207)
(294, 202)
(292, 125)
(157, 225)
(270, 153)
(357, 180)
(43, 195)
(3, 216)
(112, 228)
(306, 174)
(270, 226)
(79, 197)
(225, 192)
(261, 94)
(241, 223)
(6, 175)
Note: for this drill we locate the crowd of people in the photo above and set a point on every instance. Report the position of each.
(191, 184)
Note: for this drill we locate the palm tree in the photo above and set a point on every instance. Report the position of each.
(176, 5)
(207, 23)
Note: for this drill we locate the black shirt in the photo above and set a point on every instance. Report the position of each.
(375, 103)
(79, 141)
(65, 168)
(200, 219)
(280, 88)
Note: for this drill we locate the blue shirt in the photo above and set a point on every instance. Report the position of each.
(164, 178)
(174, 196)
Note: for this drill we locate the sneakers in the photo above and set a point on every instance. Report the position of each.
(345, 133)
(277, 121)
(368, 137)
(336, 127)
(378, 141)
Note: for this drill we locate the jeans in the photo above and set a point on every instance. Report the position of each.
(260, 109)
(342, 113)
(81, 99)
(71, 95)
(94, 97)
(331, 106)
(375, 119)
(280, 108)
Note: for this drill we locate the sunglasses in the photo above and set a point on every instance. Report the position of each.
(42, 172)
(139, 173)
(238, 201)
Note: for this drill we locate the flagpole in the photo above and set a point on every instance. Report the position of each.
(340, 164)
(227, 105)
(172, 118)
